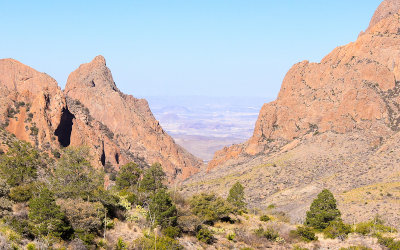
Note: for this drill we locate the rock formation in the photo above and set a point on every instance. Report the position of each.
(355, 87)
(117, 128)
(335, 125)
(130, 120)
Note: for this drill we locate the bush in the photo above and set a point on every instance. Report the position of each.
(205, 235)
(373, 226)
(162, 243)
(304, 233)
(356, 248)
(189, 223)
(171, 232)
(270, 233)
(24, 192)
(389, 242)
(121, 245)
(85, 217)
(231, 236)
(210, 208)
(337, 229)
(323, 210)
(264, 218)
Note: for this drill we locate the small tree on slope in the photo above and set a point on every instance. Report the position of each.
(323, 210)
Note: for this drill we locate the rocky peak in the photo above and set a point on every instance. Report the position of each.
(136, 130)
(355, 87)
(385, 9)
(94, 74)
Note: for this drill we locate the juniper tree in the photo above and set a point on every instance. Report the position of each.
(323, 210)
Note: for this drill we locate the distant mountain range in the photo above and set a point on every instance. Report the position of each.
(203, 125)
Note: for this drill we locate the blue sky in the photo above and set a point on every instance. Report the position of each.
(181, 47)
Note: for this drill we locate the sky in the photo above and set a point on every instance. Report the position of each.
(181, 47)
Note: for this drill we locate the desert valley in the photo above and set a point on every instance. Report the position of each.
(90, 167)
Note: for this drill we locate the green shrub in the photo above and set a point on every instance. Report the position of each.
(264, 218)
(389, 242)
(322, 211)
(171, 232)
(24, 192)
(304, 233)
(231, 236)
(356, 248)
(159, 243)
(270, 233)
(85, 217)
(31, 246)
(375, 225)
(210, 208)
(205, 235)
(337, 229)
(120, 245)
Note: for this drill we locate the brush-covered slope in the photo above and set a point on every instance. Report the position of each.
(334, 124)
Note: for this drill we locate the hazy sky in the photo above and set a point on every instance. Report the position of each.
(181, 47)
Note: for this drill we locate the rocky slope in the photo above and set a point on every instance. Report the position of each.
(130, 120)
(117, 128)
(334, 124)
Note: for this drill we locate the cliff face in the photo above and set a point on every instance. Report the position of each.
(134, 127)
(30, 100)
(335, 125)
(117, 128)
(355, 87)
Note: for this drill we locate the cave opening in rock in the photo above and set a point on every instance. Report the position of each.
(64, 129)
(117, 158)
(103, 157)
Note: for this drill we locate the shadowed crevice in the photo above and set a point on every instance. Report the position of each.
(64, 129)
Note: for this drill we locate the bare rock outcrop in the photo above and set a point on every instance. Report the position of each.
(92, 112)
(135, 130)
(31, 103)
(355, 87)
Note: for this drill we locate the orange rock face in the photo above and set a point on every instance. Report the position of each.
(118, 128)
(134, 128)
(355, 87)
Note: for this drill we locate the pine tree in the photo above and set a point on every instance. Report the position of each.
(153, 178)
(161, 209)
(323, 210)
(128, 176)
(45, 216)
(236, 196)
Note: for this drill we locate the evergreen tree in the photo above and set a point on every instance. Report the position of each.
(161, 210)
(153, 178)
(323, 210)
(128, 176)
(236, 196)
(19, 165)
(74, 176)
(45, 216)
